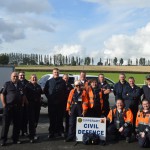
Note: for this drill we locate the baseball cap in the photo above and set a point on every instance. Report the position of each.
(77, 83)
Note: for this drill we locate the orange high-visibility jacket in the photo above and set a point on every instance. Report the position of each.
(128, 116)
(142, 119)
(91, 98)
(83, 97)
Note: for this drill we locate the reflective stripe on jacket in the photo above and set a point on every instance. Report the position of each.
(128, 116)
(83, 97)
(91, 99)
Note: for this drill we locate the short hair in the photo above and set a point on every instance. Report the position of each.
(82, 72)
(21, 72)
(66, 75)
(122, 74)
(56, 69)
(145, 100)
(93, 80)
(120, 100)
(131, 78)
(101, 74)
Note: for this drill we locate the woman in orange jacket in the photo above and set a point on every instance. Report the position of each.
(77, 106)
(143, 124)
(95, 100)
(120, 121)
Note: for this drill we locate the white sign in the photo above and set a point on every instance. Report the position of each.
(90, 125)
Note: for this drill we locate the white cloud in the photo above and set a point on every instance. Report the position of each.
(134, 46)
(69, 50)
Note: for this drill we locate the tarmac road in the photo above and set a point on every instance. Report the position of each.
(58, 143)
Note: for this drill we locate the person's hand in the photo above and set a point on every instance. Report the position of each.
(4, 105)
(83, 113)
(142, 134)
(121, 129)
(69, 112)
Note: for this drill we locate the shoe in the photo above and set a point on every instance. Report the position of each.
(61, 134)
(36, 137)
(128, 139)
(32, 141)
(51, 135)
(17, 142)
(3, 143)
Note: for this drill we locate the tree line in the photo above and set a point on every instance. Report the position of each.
(59, 59)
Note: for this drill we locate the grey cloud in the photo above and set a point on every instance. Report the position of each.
(25, 6)
(10, 31)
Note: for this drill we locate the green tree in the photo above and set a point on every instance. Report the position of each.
(4, 59)
(115, 61)
(121, 61)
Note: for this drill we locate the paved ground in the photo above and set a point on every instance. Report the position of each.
(56, 144)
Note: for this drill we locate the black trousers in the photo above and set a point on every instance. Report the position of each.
(76, 111)
(33, 117)
(56, 114)
(24, 119)
(112, 130)
(11, 114)
(144, 142)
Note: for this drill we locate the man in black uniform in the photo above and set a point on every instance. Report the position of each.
(106, 89)
(24, 118)
(55, 91)
(119, 86)
(69, 87)
(12, 100)
(33, 94)
(131, 95)
(146, 89)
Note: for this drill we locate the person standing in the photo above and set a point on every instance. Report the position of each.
(77, 106)
(120, 121)
(106, 89)
(146, 89)
(69, 87)
(119, 86)
(84, 81)
(132, 97)
(33, 94)
(96, 102)
(55, 91)
(12, 98)
(143, 124)
(24, 118)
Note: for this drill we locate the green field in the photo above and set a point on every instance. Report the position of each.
(113, 76)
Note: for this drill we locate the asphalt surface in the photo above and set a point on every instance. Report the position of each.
(58, 143)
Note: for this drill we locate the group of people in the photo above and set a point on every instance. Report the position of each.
(21, 101)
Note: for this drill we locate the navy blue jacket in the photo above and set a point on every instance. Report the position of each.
(146, 92)
(132, 96)
(118, 89)
(55, 91)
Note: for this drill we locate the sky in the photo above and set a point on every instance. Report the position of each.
(95, 28)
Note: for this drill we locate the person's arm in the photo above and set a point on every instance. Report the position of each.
(3, 100)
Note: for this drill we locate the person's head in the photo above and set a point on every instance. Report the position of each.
(66, 78)
(93, 83)
(33, 79)
(21, 75)
(148, 79)
(101, 77)
(14, 77)
(77, 85)
(55, 73)
(82, 75)
(119, 104)
(122, 77)
(131, 81)
(145, 104)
